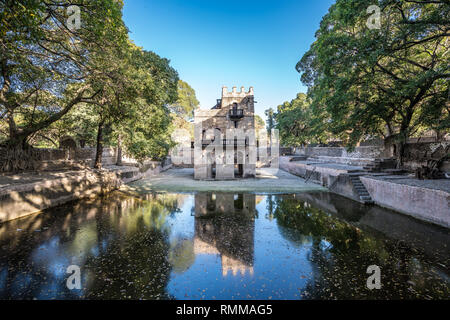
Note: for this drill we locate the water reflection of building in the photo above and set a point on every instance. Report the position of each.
(225, 226)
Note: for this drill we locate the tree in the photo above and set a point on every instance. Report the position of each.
(390, 81)
(46, 68)
(130, 112)
(259, 123)
(183, 109)
(298, 124)
(119, 91)
(187, 101)
(270, 114)
(147, 127)
(79, 123)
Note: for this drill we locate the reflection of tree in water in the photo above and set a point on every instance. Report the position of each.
(270, 207)
(120, 242)
(181, 255)
(340, 254)
(134, 264)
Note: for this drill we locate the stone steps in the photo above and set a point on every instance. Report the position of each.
(360, 189)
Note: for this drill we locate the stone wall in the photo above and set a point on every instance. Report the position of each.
(324, 175)
(52, 159)
(36, 192)
(24, 199)
(368, 152)
(423, 203)
(78, 159)
(417, 154)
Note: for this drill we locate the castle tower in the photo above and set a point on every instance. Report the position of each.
(233, 112)
(245, 100)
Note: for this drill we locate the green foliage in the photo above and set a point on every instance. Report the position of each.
(147, 127)
(270, 114)
(91, 83)
(387, 82)
(298, 124)
(80, 123)
(187, 101)
(259, 123)
(47, 69)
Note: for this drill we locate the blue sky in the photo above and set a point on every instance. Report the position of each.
(232, 43)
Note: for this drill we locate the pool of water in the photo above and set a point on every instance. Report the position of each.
(222, 246)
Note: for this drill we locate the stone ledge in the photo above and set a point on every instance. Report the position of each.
(421, 200)
(26, 194)
(431, 205)
(20, 200)
(317, 171)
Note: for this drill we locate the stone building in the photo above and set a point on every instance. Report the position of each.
(225, 144)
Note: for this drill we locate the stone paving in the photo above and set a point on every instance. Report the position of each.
(410, 180)
(330, 165)
(11, 181)
(182, 180)
(439, 184)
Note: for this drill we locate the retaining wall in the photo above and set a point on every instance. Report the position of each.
(423, 203)
(60, 159)
(368, 152)
(319, 174)
(431, 205)
(40, 192)
(24, 199)
(417, 154)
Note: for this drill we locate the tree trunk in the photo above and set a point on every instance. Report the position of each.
(119, 151)
(400, 154)
(16, 155)
(99, 151)
(439, 135)
(12, 125)
(402, 138)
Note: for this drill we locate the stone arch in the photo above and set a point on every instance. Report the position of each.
(69, 144)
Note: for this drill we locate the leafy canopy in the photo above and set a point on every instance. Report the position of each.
(391, 81)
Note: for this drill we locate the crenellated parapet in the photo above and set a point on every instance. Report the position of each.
(244, 99)
(236, 94)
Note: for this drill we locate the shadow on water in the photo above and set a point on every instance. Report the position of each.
(222, 246)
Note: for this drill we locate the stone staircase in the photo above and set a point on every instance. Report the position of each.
(360, 189)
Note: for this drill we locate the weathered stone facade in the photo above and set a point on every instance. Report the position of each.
(225, 143)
